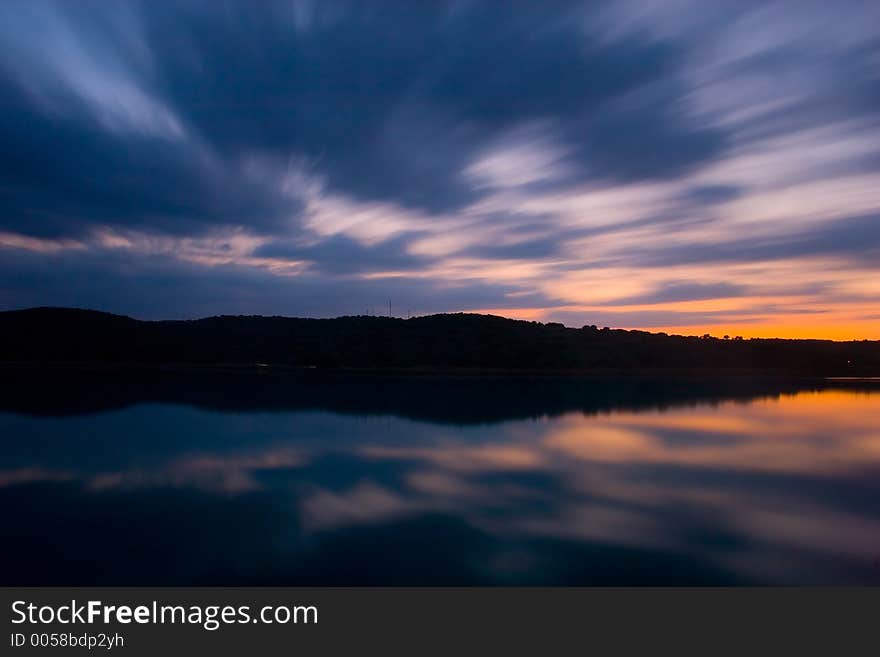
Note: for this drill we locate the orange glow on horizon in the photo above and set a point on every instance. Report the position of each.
(826, 330)
(841, 333)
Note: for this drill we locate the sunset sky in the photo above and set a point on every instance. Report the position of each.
(677, 165)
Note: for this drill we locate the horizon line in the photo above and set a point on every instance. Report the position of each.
(699, 331)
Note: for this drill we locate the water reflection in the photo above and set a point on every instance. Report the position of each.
(773, 488)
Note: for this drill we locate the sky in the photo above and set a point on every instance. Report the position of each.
(669, 165)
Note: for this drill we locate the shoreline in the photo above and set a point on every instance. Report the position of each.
(306, 372)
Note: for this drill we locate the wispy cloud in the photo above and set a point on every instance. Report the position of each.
(643, 164)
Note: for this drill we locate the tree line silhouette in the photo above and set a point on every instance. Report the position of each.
(436, 342)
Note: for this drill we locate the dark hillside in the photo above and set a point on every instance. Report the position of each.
(436, 342)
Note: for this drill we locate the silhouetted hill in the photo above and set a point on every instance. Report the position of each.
(436, 342)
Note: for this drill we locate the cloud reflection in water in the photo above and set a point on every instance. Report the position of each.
(776, 490)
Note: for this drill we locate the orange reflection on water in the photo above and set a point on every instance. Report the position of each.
(810, 432)
(760, 474)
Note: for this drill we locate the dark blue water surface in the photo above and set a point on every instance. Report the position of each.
(264, 480)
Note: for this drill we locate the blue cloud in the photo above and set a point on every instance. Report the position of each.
(420, 139)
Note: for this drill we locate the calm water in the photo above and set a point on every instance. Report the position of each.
(456, 482)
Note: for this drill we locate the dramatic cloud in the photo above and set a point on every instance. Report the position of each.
(647, 164)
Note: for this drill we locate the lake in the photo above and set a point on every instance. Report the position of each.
(220, 479)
